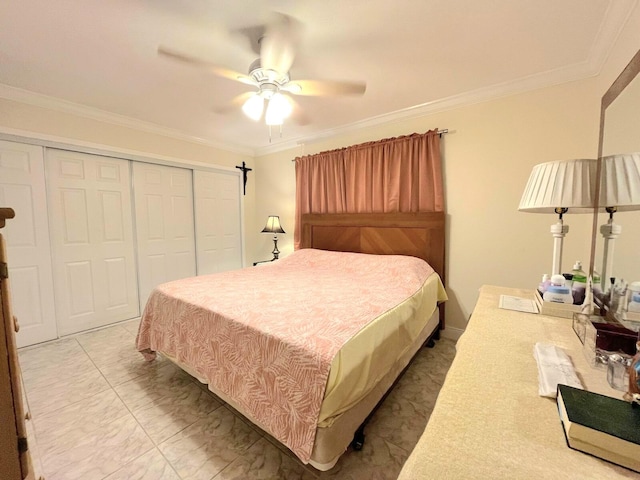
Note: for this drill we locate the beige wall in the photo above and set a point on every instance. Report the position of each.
(16, 115)
(488, 155)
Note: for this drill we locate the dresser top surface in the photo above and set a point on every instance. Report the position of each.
(489, 420)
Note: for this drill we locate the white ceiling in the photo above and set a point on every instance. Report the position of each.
(99, 58)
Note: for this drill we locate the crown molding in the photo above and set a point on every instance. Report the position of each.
(533, 82)
(616, 16)
(51, 103)
(64, 143)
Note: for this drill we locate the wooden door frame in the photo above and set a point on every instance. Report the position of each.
(15, 462)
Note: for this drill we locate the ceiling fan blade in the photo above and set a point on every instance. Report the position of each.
(277, 47)
(220, 71)
(297, 114)
(235, 103)
(325, 87)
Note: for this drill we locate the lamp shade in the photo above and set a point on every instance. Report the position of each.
(273, 225)
(561, 184)
(620, 182)
(278, 109)
(253, 107)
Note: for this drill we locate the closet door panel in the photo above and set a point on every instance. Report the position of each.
(218, 221)
(165, 225)
(80, 292)
(115, 271)
(92, 233)
(22, 187)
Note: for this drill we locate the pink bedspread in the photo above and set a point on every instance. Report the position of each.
(266, 336)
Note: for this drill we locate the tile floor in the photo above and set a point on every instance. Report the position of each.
(99, 411)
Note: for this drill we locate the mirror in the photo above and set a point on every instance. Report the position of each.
(619, 257)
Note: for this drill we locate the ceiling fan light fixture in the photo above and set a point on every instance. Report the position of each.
(253, 107)
(278, 109)
(275, 43)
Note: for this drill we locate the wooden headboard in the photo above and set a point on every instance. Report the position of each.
(415, 234)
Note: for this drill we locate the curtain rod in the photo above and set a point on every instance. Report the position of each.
(439, 132)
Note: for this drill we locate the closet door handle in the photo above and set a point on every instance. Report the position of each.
(16, 325)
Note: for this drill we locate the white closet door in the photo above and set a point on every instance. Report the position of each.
(218, 221)
(22, 188)
(164, 223)
(92, 238)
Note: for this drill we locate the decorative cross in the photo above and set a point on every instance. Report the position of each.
(244, 176)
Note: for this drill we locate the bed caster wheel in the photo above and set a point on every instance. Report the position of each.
(358, 441)
(431, 343)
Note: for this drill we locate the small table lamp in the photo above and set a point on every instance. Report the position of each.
(556, 187)
(619, 192)
(273, 226)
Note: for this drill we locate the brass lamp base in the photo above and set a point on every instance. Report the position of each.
(275, 252)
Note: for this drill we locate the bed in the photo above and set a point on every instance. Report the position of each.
(309, 369)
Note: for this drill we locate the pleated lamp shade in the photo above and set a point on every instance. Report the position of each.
(620, 182)
(561, 184)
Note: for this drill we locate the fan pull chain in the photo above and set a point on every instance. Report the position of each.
(270, 132)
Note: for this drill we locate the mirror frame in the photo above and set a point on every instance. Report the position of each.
(630, 72)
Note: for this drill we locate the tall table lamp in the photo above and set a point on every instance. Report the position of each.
(557, 187)
(619, 192)
(273, 226)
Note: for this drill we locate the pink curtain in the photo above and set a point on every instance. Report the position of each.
(402, 174)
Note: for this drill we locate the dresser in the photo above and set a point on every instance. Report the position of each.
(489, 421)
(15, 463)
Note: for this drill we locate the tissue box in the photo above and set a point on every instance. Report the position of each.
(604, 336)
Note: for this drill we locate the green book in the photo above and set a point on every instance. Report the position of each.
(602, 426)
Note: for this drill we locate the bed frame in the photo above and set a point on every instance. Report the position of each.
(420, 235)
(415, 234)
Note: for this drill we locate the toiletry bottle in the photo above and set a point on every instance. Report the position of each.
(587, 305)
(579, 285)
(633, 293)
(618, 297)
(597, 287)
(544, 284)
(608, 294)
(634, 304)
(568, 279)
(634, 377)
(557, 291)
(623, 291)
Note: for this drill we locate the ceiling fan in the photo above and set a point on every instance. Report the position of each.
(269, 73)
